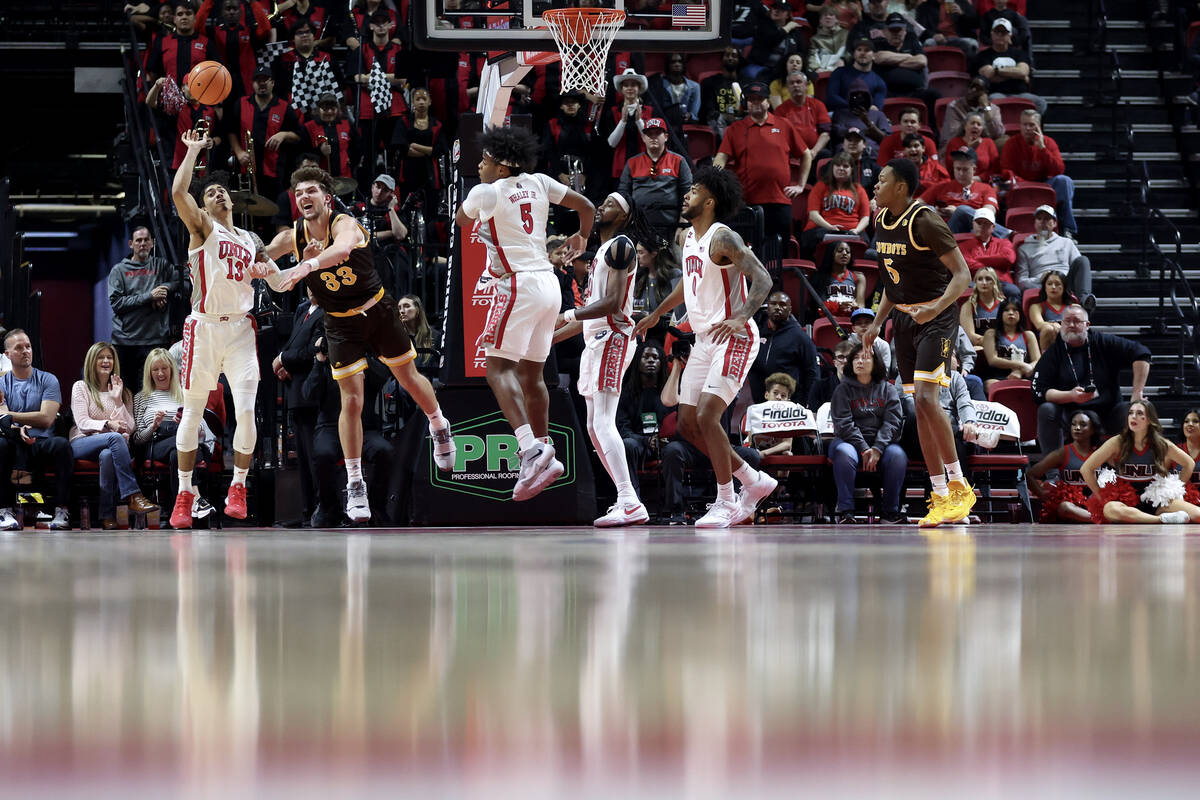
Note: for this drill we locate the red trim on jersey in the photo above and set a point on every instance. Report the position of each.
(189, 348)
(737, 354)
(611, 363)
(499, 250)
(512, 299)
(725, 283)
(203, 281)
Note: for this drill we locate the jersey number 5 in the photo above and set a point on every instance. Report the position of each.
(895, 276)
(344, 277)
(527, 217)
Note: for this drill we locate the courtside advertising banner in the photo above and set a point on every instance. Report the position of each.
(476, 300)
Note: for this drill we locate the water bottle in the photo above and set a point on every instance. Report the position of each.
(85, 516)
(139, 521)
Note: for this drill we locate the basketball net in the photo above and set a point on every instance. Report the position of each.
(583, 36)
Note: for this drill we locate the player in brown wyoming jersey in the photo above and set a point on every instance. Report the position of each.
(923, 275)
(360, 316)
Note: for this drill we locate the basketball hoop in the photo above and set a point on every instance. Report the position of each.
(583, 36)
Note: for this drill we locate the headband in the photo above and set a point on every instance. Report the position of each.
(621, 201)
(504, 162)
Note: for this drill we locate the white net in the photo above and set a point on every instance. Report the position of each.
(583, 36)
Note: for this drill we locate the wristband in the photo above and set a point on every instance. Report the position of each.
(312, 265)
(569, 315)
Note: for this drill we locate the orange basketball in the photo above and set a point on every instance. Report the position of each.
(209, 82)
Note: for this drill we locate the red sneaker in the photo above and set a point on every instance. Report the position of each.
(235, 501)
(181, 516)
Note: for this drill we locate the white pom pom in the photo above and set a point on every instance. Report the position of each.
(1162, 489)
(1105, 476)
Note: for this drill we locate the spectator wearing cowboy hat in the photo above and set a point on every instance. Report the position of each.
(627, 117)
(657, 180)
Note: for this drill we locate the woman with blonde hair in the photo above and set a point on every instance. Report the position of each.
(101, 406)
(156, 410)
(977, 315)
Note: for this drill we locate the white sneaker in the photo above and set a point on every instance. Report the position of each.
(1174, 518)
(7, 521)
(539, 469)
(444, 448)
(623, 514)
(201, 508)
(357, 507)
(752, 494)
(61, 521)
(721, 514)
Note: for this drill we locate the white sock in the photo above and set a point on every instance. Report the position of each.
(239, 475)
(725, 492)
(746, 474)
(436, 421)
(954, 471)
(939, 485)
(353, 470)
(185, 481)
(525, 438)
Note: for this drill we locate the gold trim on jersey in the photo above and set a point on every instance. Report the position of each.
(361, 309)
(938, 376)
(402, 359)
(340, 373)
(911, 211)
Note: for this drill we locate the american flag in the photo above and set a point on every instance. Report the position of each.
(688, 16)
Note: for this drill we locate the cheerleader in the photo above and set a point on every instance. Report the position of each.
(1141, 488)
(1191, 446)
(1066, 500)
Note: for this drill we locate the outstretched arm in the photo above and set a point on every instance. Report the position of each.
(577, 242)
(727, 247)
(196, 220)
(650, 320)
(620, 259)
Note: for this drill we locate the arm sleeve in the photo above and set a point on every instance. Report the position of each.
(893, 419)
(933, 231)
(480, 202)
(621, 254)
(554, 190)
(79, 409)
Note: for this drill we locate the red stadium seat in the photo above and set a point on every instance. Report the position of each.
(825, 335)
(941, 59)
(1017, 395)
(1028, 298)
(858, 248)
(894, 105)
(701, 142)
(821, 85)
(654, 62)
(950, 83)
(1019, 218)
(1192, 30)
(708, 73)
(1030, 194)
(1018, 239)
(939, 112)
(791, 283)
(1011, 109)
(701, 65)
(800, 210)
(870, 271)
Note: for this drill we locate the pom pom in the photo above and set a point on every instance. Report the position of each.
(1162, 489)
(1105, 476)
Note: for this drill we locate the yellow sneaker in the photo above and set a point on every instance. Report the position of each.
(962, 500)
(937, 512)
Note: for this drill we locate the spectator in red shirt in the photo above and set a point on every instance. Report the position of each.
(958, 198)
(893, 144)
(837, 205)
(1033, 156)
(987, 157)
(986, 250)
(807, 115)
(931, 171)
(761, 147)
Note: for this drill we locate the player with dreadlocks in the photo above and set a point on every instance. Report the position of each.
(511, 207)
(606, 319)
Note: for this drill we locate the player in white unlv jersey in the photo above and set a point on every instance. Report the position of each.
(716, 263)
(606, 319)
(218, 336)
(510, 208)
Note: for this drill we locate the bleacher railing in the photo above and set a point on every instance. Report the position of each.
(1173, 284)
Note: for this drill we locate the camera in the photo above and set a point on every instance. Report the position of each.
(1090, 388)
(9, 429)
(683, 345)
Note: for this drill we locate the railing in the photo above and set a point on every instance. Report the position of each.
(1173, 284)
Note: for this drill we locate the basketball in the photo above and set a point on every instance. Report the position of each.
(209, 82)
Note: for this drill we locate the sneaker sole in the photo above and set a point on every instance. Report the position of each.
(355, 518)
(180, 525)
(540, 481)
(638, 520)
(235, 514)
(747, 513)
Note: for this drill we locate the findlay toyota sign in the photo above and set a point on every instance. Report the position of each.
(488, 460)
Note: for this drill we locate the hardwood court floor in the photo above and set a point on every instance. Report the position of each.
(993, 661)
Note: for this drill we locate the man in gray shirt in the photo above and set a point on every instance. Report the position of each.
(1046, 250)
(140, 288)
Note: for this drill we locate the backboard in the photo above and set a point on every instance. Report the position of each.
(491, 25)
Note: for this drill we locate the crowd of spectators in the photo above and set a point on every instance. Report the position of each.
(806, 105)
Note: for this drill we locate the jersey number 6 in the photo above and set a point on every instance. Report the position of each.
(344, 277)
(527, 217)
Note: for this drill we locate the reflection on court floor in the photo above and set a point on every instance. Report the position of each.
(644, 661)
